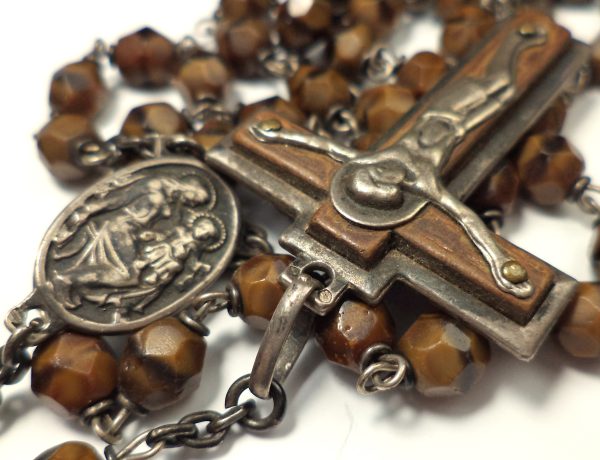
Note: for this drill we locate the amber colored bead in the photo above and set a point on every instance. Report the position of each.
(350, 48)
(202, 77)
(381, 107)
(499, 191)
(161, 364)
(596, 62)
(59, 143)
(450, 9)
(146, 58)
(422, 72)
(241, 41)
(596, 253)
(73, 371)
(70, 451)
(281, 106)
(78, 88)
(317, 91)
(344, 335)
(211, 133)
(260, 291)
(160, 118)
(378, 15)
(446, 358)
(548, 167)
(553, 120)
(466, 29)
(578, 330)
(236, 9)
(299, 28)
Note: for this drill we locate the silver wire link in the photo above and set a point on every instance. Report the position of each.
(278, 62)
(253, 241)
(203, 306)
(582, 196)
(380, 66)
(382, 370)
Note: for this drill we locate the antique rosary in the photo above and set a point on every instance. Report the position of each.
(395, 171)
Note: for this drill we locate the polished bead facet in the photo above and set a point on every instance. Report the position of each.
(260, 291)
(237, 9)
(160, 118)
(203, 77)
(345, 334)
(146, 58)
(318, 91)
(73, 371)
(59, 143)
(553, 120)
(379, 108)
(499, 191)
(78, 88)
(300, 25)
(596, 62)
(548, 167)
(378, 15)
(240, 42)
(447, 358)
(466, 29)
(276, 104)
(70, 451)
(212, 132)
(421, 72)
(579, 329)
(161, 364)
(350, 48)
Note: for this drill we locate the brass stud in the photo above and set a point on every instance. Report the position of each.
(514, 272)
(270, 125)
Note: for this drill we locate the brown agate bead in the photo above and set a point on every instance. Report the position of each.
(60, 141)
(596, 62)
(447, 358)
(381, 107)
(578, 330)
(299, 29)
(450, 9)
(422, 72)
(78, 88)
(466, 29)
(211, 133)
(161, 364)
(350, 47)
(548, 167)
(237, 9)
(146, 58)
(276, 104)
(241, 41)
(378, 15)
(317, 91)
(160, 118)
(345, 335)
(260, 291)
(202, 77)
(73, 371)
(499, 191)
(70, 451)
(553, 120)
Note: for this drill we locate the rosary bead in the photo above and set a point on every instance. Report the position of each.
(146, 58)
(466, 29)
(241, 41)
(350, 47)
(159, 118)
(499, 191)
(422, 72)
(318, 91)
(161, 364)
(299, 28)
(447, 358)
(237, 9)
(70, 451)
(345, 335)
(212, 132)
(548, 167)
(281, 106)
(596, 62)
(59, 143)
(450, 9)
(381, 107)
(578, 330)
(78, 88)
(202, 77)
(73, 371)
(553, 120)
(378, 15)
(260, 291)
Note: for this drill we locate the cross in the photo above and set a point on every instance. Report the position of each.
(396, 212)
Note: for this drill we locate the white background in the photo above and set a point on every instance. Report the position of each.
(545, 409)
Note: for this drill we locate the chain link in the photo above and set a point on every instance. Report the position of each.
(382, 370)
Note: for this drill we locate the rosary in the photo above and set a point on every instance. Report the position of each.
(394, 171)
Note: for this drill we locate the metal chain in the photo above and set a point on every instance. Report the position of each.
(582, 196)
(382, 370)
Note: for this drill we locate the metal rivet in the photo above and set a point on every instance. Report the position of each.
(529, 30)
(270, 125)
(325, 296)
(514, 272)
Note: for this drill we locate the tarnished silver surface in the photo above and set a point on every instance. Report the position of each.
(137, 246)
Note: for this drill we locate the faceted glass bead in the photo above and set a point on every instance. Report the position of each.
(345, 335)
(596, 253)
(553, 120)
(447, 358)
(596, 62)
(317, 91)
(421, 72)
(578, 330)
(211, 133)
(466, 29)
(160, 118)
(78, 88)
(378, 15)
(59, 143)
(301, 26)
(281, 106)
(450, 9)
(161, 364)
(499, 191)
(73, 371)
(260, 291)
(240, 42)
(202, 77)
(548, 167)
(146, 58)
(381, 107)
(350, 47)
(237, 9)
(70, 451)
